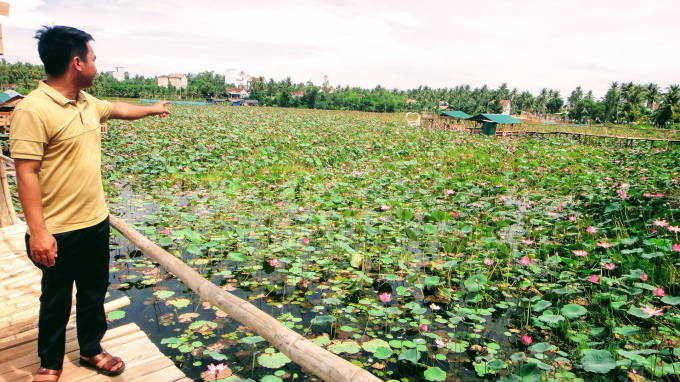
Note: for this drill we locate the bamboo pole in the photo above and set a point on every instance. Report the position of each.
(5, 190)
(317, 360)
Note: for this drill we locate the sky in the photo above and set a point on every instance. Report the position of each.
(529, 44)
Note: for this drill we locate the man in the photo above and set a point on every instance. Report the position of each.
(55, 139)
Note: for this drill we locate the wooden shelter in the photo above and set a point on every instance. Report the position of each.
(454, 120)
(487, 124)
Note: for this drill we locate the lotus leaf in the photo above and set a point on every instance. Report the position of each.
(598, 361)
(273, 360)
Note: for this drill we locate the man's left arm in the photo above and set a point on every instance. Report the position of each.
(130, 112)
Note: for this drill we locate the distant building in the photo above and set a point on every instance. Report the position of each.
(118, 74)
(236, 94)
(297, 94)
(177, 80)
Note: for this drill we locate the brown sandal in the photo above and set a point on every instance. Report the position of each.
(99, 362)
(46, 375)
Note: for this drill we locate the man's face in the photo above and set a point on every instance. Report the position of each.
(88, 69)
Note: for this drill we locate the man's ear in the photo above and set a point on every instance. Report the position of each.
(77, 63)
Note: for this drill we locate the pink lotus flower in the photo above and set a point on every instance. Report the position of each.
(190, 193)
(594, 279)
(609, 266)
(434, 306)
(527, 205)
(651, 311)
(386, 297)
(166, 231)
(527, 242)
(301, 209)
(454, 214)
(385, 207)
(580, 253)
(572, 218)
(676, 247)
(216, 369)
(526, 340)
(661, 223)
(488, 261)
(522, 180)
(591, 229)
(503, 197)
(604, 244)
(440, 343)
(423, 327)
(175, 186)
(525, 260)
(117, 185)
(659, 292)
(675, 229)
(274, 262)
(327, 185)
(305, 241)
(644, 277)
(450, 192)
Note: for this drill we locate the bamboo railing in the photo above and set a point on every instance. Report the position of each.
(8, 215)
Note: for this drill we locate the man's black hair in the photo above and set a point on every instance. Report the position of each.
(57, 45)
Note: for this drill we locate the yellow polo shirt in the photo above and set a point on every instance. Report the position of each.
(66, 136)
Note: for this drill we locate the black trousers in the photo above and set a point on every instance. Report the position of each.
(83, 258)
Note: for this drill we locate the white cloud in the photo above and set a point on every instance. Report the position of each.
(528, 43)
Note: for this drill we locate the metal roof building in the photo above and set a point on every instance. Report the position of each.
(456, 114)
(501, 119)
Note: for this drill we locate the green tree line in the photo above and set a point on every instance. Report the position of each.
(625, 102)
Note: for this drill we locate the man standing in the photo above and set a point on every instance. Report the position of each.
(55, 139)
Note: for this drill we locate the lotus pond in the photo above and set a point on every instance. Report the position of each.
(416, 254)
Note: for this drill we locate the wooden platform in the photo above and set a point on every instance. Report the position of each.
(19, 304)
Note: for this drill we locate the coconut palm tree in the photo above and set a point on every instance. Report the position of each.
(669, 111)
(652, 95)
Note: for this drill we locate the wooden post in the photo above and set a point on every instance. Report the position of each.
(300, 350)
(7, 214)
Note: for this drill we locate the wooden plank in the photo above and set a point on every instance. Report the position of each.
(136, 367)
(112, 338)
(168, 374)
(32, 335)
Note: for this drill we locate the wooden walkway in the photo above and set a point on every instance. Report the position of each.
(19, 294)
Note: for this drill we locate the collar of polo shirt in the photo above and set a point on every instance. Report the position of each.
(58, 97)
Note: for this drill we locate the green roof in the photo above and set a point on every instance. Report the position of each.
(9, 95)
(456, 114)
(501, 119)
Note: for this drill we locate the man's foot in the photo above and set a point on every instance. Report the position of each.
(44, 375)
(104, 363)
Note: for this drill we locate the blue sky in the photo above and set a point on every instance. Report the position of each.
(527, 43)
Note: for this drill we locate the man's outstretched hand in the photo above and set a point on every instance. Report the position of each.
(160, 108)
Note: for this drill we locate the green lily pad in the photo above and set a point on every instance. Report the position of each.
(383, 353)
(349, 347)
(252, 340)
(475, 283)
(163, 294)
(411, 355)
(598, 361)
(573, 311)
(116, 315)
(627, 331)
(434, 374)
(551, 318)
(541, 306)
(541, 347)
(373, 345)
(273, 361)
(671, 300)
(215, 355)
(271, 378)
